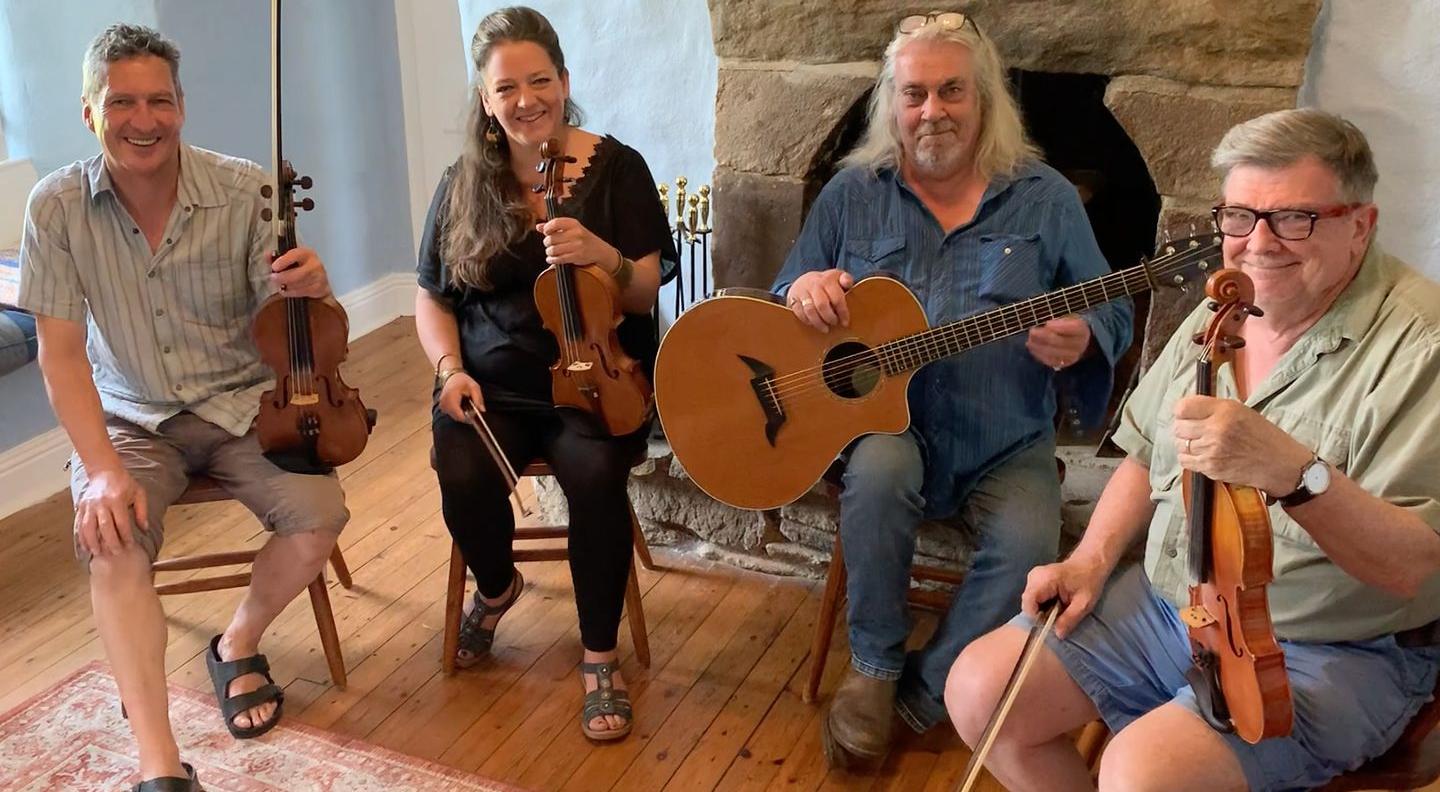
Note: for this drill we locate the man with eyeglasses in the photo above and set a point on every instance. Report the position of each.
(946, 193)
(1330, 408)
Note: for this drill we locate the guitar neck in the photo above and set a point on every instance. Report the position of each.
(937, 343)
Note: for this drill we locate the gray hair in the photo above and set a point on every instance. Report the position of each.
(123, 41)
(1002, 146)
(1284, 137)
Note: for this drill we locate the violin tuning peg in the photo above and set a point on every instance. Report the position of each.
(306, 182)
(1212, 305)
(307, 204)
(265, 214)
(266, 191)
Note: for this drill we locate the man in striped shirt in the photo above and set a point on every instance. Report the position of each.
(144, 266)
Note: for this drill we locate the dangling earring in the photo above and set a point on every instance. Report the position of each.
(492, 131)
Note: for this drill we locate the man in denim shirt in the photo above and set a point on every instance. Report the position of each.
(946, 193)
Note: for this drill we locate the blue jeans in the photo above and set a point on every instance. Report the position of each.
(1014, 513)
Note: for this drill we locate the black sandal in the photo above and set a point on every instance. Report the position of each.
(172, 783)
(475, 639)
(223, 672)
(605, 699)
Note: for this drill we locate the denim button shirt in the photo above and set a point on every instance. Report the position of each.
(1029, 236)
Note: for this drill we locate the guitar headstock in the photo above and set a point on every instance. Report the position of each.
(1178, 263)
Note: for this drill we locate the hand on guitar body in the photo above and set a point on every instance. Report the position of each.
(1059, 343)
(459, 387)
(1232, 443)
(300, 273)
(818, 298)
(1077, 582)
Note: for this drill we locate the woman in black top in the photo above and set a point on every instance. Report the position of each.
(485, 243)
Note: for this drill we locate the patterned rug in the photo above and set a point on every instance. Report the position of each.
(72, 738)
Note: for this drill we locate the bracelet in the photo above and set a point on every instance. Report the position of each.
(444, 376)
(440, 360)
(624, 270)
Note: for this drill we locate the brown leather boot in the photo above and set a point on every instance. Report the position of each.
(859, 725)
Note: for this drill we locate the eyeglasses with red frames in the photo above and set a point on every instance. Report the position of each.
(1289, 224)
(947, 20)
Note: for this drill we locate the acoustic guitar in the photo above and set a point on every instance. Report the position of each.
(756, 404)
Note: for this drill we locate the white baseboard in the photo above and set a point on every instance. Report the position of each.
(35, 469)
(379, 302)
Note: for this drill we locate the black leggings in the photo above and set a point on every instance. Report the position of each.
(591, 469)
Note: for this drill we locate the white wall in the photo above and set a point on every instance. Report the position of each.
(1377, 62)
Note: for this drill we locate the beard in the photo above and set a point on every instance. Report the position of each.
(938, 150)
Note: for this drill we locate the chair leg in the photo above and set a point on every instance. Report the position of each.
(325, 622)
(642, 549)
(835, 579)
(454, 609)
(635, 609)
(342, 570)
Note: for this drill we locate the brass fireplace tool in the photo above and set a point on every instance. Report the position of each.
(691, 226)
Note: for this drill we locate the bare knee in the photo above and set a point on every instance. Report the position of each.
(125, 570)
(308, 549)
(978, 678)
(1162, 751)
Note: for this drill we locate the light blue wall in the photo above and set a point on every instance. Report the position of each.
(643, 71)
(343, 120)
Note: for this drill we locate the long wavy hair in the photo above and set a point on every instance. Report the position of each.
(1002, 146)
(486, 211)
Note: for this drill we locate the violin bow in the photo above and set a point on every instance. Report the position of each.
(477, 421)
(1044, 623)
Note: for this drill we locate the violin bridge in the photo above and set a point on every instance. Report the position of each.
(1196, 617)
(579, 366)
(305, 399)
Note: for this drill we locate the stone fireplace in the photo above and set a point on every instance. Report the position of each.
(1126, 97)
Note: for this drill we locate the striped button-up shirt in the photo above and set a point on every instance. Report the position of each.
(1029, 236)
(169, 330)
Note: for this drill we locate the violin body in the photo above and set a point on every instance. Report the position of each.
(593, 373)
(1235, 614)
(1239, 675)
(580, 306)
(311, 418)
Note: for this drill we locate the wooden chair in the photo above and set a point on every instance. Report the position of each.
(203, 489)
(1412, 763)
(834, 599)
(455, 591)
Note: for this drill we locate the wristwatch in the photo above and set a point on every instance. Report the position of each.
(1314, 480)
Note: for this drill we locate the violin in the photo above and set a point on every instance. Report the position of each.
(1239, 673)
(312, 421)
(581, 307)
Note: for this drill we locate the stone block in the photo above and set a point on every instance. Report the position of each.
(771, 119)
(1176, 39)
(757, 219)
(1176, 126)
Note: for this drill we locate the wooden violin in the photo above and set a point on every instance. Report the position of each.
(581, 307)
(312, 421)
(1239, 673)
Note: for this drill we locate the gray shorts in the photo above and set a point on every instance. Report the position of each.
(161, 463)
(1352, 700)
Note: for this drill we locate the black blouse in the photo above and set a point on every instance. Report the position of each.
(503, 343)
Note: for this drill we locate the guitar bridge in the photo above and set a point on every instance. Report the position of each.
(763, 383)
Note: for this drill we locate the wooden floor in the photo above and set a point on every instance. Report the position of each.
(719, 708)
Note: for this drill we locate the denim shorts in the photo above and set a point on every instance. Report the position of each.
(1351, 700)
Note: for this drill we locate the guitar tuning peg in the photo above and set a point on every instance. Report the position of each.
(1166, 236)
(307, 204)
(306, 182)
(266, 191)
(265, 214)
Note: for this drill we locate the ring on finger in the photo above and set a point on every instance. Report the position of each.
(1187, 445)
(807, 302)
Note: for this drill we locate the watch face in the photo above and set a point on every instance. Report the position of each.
(1317, 477)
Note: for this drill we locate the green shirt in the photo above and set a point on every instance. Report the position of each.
(1362, 389)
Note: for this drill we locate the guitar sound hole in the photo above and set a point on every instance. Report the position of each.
(852, 370)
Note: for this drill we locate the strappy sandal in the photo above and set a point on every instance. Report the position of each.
(223, 672)
(605, 699)
(475, 639)
(172, 783)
